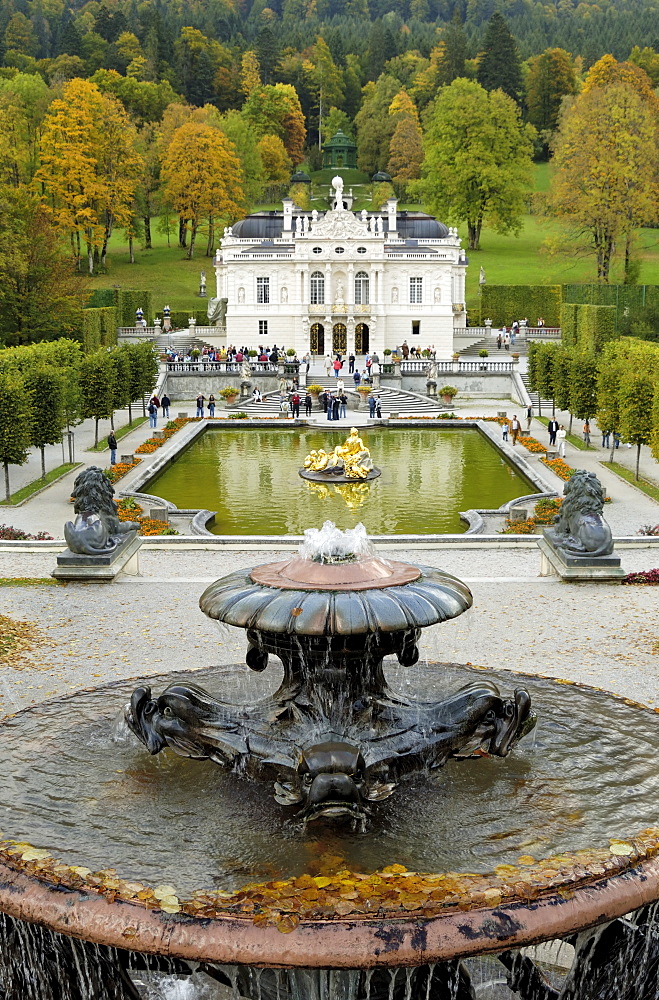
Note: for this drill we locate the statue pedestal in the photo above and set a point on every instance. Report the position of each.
(101, 568)
(578, 569)
(337, 477)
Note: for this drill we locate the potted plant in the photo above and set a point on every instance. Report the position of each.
(194, 353)
(456, 356)
(229, 394)
(483, 354)
(387, 352)
(290, 352)
(314, 389)
(253, 354)
(447, 392)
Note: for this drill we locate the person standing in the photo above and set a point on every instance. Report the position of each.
(606, 439)
(351, 364)
(506, 341)
(337, 366)
(165, 403)
(330, 405)
(586, 432)
(307, 361)
(561, 434)
(153, 414)
(405, 351)
(343, 405)
(295, 403)
(371, 405)
(369, 363)
(211, 405)
(529, 418)
(552, 427)
(308, 403)
(200, 405)
(499, 341)
(356, 377)
(335, 408)
(515, 429)
(112, 445)
(378, 408)
(328, 365)
(504, 430)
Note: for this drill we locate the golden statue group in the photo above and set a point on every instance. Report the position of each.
(351, 459)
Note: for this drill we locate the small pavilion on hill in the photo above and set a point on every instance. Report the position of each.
(340, 151)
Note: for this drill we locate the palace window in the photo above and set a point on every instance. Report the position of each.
(263, 290)
(317, 288)
(361, 289)
(416, 291)
(317, 250)
(263, 329)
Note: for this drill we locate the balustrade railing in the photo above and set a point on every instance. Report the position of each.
(228, 367)
(446, 367)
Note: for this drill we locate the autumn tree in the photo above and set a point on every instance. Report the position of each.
(375, 126)
(276, 110)
(608, 72)
(15, 422)
(245, 141)
(499, 66)
(327, 80)
(607, 162)
(89, 166)
(406, 146)
(276, 163)
(477, 162)
(551, 78)
(201, 175)
(250, 73)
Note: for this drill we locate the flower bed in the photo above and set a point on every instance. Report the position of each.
(559, 467)
(152, 444)
(649, 576)
(129, 510)
(9, 534)
(544, 513)
(531, 444)
(120, 469)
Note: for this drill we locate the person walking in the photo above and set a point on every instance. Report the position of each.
(371, 405)
(295, 403)
(307, 361)
(561, 434)
(153, 414)
(356, 377)
(337, 366)
(112, 445)
(378, 408)
(515, 429)
(529, 418)
(308, 403)
(606, 439)
(351, 364)
(586, 432)
(328, 365)
(211, 405)
(504, 430)
(343, 405)
(200, 405)
(330, 403)
(506, 341)
(369, 363)
(165, 403)
(499, 341)
(552, 427)
(405, 351)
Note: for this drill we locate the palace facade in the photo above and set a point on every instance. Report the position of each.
(341, 281)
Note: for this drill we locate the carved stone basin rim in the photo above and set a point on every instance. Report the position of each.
(303, 574)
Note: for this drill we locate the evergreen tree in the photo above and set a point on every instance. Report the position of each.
(551, 78)
(69, 40)
(454, 52)
(267, 53)
(499, 64)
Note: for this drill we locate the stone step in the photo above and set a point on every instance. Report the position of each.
(545, 404)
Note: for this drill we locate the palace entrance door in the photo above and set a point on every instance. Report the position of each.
(317, 338)
(339, 338)
(361, 338)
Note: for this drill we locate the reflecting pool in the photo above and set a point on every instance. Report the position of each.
(250, 477)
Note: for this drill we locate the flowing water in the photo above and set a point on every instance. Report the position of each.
(75, 781)
(250, 477)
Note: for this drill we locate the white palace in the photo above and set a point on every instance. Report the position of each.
(340, 281)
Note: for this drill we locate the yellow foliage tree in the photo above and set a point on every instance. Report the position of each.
(405, 151)
(89, 166)
(202, 179)
(276, 161)
(250, 73)
(607, 166)
(608, 71)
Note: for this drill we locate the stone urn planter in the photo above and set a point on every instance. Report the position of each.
(448, 392)
(229, 394)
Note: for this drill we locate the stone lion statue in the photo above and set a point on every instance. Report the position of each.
(97, 528)
(580, 528)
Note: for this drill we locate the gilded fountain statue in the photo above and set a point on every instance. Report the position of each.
(346, 463)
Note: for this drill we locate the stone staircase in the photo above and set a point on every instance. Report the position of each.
(489, 344)
(391, 400)
(180, 341)
(545, 405)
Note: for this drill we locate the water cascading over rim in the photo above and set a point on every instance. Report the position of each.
(334, 737)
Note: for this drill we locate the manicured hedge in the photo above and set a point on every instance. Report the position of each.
(568, 323)
(128, 301)
(504, 303)
(595, 325)
(99, 328)
(180, 318)
(101, 297)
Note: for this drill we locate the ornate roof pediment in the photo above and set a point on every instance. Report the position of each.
(339, 224)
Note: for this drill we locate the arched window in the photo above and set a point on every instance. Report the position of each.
(361, 289)
(317, 288)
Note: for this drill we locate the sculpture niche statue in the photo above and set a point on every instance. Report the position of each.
(580, 528)
(348, 462)
(97, 529)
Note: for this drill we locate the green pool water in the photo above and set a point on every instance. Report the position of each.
(250, 477)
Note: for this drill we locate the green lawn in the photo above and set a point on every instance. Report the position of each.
(39, 484)
(650, 489)
(508, 260)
